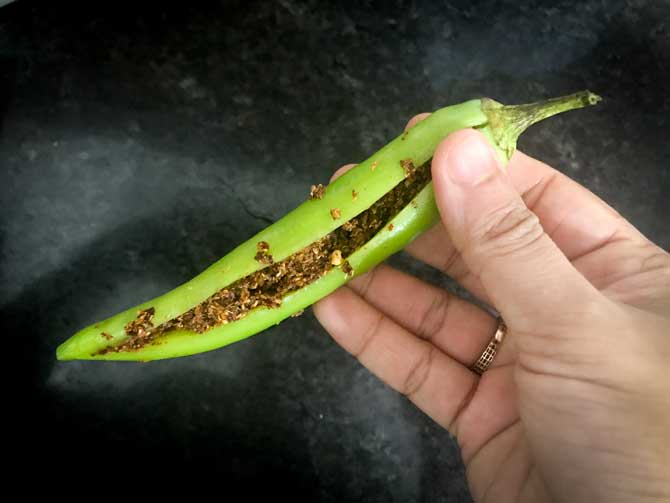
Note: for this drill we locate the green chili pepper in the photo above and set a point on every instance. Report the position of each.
(367, 182)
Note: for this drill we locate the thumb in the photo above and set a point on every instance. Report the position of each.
(527, 278)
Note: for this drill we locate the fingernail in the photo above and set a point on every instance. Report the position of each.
(471, 161)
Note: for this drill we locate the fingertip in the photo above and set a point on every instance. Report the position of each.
(328, 310)
(342, 314)
(340, 171)
(458, 139)
(466, 158)
(416, 119)
(321, 307)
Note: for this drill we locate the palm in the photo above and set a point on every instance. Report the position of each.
(496, 449)
(500, 463)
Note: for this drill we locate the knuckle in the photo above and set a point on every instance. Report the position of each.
(418, 373)
(508, 230)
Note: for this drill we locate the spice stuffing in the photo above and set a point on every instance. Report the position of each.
(336, 257)
(317, 191)
(263, 253)
(408, 166)
(269, 285)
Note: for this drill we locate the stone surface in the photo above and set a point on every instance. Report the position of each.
(138, 145)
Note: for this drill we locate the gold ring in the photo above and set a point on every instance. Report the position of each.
(485, 360)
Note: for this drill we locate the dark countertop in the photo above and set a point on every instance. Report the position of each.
(139, 145)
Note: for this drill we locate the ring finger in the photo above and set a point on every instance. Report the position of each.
(455, 326)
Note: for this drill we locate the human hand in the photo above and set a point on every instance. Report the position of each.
(576, 404)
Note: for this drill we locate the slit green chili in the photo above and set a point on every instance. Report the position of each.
(313, 219)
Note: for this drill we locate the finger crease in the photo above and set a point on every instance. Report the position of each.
(435, 317)
(451, 260)
(542, 188)
(500, 466)
(460, 277)
(528, 234)
(462, 407)
(657, 261)
(418, 375)
(369, 335)
(613, 238)
(491, 439)
(363, 292)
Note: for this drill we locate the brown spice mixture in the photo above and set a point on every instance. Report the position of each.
(408, 166)
(268, 286)
(336, 257)
(140, 331)
(317, 191)
(142, 324)
(263, 253)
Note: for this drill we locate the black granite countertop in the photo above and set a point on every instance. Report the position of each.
(140, 144)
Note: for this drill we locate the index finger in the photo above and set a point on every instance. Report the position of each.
(577, 220)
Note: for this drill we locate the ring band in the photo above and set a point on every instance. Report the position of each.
(485, 360)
